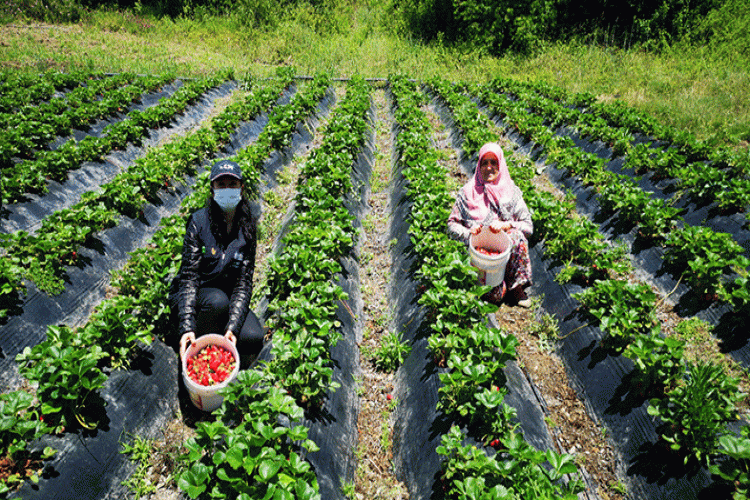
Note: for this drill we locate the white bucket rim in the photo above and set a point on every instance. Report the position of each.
(486, 234)
(192, 349)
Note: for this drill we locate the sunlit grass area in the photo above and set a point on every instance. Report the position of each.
(686, 87)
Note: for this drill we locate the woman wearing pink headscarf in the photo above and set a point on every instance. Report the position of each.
(492, 199)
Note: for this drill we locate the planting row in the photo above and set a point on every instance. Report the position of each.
(17, 91)
(35, 127)
(139, 309)
(34, 175)
(80, 94)
(694, 401)
(698, 172)
(245, 453)
(483, 453)
(617, 125)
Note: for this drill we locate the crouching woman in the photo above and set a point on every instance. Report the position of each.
(211, 292)
(491, 198)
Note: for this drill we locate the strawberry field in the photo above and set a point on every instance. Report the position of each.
(631, 220)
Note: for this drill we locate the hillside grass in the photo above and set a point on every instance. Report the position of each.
(688, 87)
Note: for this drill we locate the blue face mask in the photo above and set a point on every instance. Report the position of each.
(227, 198)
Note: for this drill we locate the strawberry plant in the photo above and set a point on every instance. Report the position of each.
(304, 332)
(658, 361)
(516, 470)
(694, 414)
(733, 463)
(20, 424)
(736, 198)
(586, 255)
(476, 358)
(737, 292)
(642, 158)
(703, 257)
(658, 219)
(620, 308)
(10, 283)
(66, 368)
(621, 193)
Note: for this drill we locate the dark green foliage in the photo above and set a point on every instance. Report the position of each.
(51, 10)
(491, 26)
(496, 26)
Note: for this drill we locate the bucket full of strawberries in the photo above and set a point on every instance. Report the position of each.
(209, 364)
(490, 253)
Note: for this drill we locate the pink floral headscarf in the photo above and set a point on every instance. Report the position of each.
(479, 193)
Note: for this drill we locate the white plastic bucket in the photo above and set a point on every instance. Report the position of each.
(206, 398)
(491, 267)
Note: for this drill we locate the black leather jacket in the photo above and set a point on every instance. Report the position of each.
(211, 257)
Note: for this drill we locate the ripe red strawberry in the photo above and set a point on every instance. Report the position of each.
(210, 366)
(487, 251)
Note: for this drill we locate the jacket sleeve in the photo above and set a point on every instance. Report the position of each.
(239, 302)
(192, 249)
(457, 228)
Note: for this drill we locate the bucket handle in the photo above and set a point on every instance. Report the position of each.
(189, 338)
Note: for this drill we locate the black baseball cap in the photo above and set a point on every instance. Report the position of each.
(225, 167)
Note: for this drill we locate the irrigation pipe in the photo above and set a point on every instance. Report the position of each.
(563, 337)
(661, 301)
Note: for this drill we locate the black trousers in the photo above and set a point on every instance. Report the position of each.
(212, 315)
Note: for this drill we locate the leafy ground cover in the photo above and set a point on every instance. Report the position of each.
(471, 391)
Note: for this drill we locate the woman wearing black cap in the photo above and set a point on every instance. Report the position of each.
(211, 292)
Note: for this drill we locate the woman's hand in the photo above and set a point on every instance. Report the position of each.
(498, 226)
(230, 337)
(475, 230)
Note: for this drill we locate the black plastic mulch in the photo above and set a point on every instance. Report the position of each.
(418, 425)
(140, 401)
(27, 214)
(650, 470)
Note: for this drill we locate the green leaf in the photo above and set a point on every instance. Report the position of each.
(193, 482)
(268, 469)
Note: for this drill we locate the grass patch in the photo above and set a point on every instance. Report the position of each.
(702, 89)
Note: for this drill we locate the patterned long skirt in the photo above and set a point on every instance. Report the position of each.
(518, 270)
